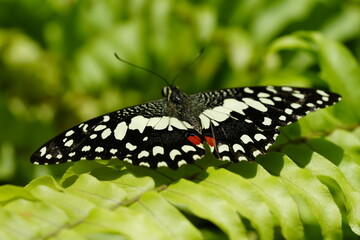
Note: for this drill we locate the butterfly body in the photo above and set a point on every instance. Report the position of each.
(237, 123)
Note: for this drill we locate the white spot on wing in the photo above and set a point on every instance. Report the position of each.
(287, 89)
(86, 148)
(128, 160)
(321, 92)
(248, 90)
(288, 111)
(69, 133)
(92, 136)
(143, 154)
(138, 123)
(174, 153)
(162, 164)
(295, 105)
(130, 146)
(267, 121)
(223, 148)
(263, 95)
(99, 149)
(310, 105)
(259, 137)
(145, 164)
(106, 118)
(282, 118)
(256, 153)
(69, 143)
(242, 158)
(85, 127)
(106, 133)
(267, 101)
(222, 109)
(255, 104)
(238, 147)
(177, 123)
(42, 151)
(267, 146)
(299, 95)
(48, 156)
(235, 105)
(215, 123)
(153, 121)
(181, 162)
(205, 121)
(158, 150)
(187, 125)
(113, 151)
(163, 123)
(188, 148)
(271, 89)
(226, 158)
(99, 127)
(245, 139)
(215, 115)
(120, 131)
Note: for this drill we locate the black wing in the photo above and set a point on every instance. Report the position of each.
(242, 123)
(141, 135)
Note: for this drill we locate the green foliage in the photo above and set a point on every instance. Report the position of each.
(57, 69)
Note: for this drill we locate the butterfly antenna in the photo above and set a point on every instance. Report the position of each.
(188, 65)
(142, 68)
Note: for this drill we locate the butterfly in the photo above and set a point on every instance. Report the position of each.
(237, 123)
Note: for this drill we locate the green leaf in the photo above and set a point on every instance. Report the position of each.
(275, 195)
(301, 182)
(10, 192)
(123, 221)
(166, 216)
(103, 194)
(244, 197)
(75, 207)
(40, 218)
(208, 205)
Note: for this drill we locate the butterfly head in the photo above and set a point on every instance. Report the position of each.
(174, 94)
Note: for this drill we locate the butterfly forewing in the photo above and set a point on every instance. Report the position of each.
(140, 135)
(237, 123)
(244, 122)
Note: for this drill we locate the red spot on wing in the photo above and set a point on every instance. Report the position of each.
(194, 139)
(210, 140)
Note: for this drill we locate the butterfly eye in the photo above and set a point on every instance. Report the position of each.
(166, 92)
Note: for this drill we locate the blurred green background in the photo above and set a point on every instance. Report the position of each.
(57, 64)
